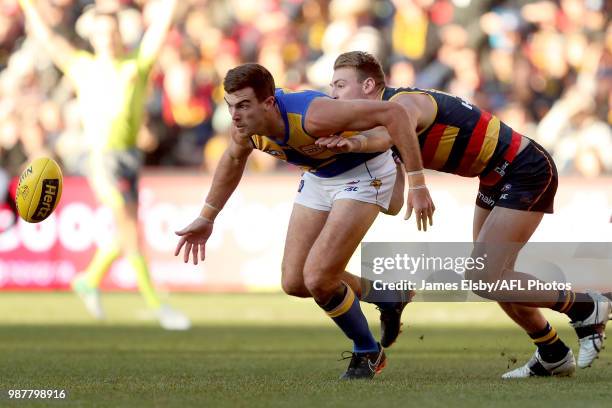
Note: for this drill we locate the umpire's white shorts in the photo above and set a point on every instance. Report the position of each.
(370, 182)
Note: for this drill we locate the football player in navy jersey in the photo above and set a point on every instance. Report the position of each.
(518, 182)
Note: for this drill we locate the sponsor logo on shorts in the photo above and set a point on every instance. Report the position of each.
(301, 186)
(506, 187)
(353, 182)
(486, 199)
(376, 183)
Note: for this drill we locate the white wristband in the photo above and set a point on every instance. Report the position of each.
(208, 220)
(419, 187)
(415, 173)
(212, 207)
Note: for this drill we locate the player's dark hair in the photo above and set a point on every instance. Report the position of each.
(252, 76)
(364, 63)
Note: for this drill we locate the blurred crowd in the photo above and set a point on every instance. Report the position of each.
(544, 67)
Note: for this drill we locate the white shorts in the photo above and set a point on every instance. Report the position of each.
(370, 182)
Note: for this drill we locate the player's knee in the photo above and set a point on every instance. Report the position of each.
(292, 281)
(293, 287)
(319, 285)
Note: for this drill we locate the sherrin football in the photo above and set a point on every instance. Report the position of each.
(39, 190)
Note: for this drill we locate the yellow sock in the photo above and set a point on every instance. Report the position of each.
(144, 281)
(99, 265)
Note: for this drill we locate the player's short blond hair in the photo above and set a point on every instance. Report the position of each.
(366, 65)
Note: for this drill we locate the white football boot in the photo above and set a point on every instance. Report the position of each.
(172, 319)
(536, 367)
(591, 345)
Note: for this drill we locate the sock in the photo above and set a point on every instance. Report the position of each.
(578, 306)
(144, 281)
(384, 299)
(99, 265)
(550, 346)
(344, 310)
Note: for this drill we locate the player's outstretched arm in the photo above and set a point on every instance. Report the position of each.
(227, 176)
(58, 48)
(330, 116)
(153, 39)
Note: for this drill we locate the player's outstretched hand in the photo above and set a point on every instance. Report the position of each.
(420, 201)
(193, 238)
(339, 144)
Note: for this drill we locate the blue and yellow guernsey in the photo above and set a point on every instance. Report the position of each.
(298, 147)
(462, 139)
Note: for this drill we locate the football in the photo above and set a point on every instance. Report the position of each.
(39, 190)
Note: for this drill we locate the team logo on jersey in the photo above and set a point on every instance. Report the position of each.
(376, 183)
(501, 170)
(312, 149)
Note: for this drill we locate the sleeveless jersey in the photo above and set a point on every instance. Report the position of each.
(462, 139)
(298, 147)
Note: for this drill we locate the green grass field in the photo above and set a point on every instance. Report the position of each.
(271, 350)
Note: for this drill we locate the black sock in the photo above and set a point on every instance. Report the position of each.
(550, 346)
(581, 308)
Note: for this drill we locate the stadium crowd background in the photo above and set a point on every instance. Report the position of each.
(544, 67)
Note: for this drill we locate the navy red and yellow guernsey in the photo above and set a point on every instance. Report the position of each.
(298, 147)
(462, 139)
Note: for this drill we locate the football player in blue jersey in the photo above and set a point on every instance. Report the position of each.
(338, 197)
(518, 182)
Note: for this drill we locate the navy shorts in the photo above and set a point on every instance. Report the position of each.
(529, 183)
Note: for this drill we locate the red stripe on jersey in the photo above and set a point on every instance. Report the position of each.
(475, 144)
(493, 177)
(432, 141)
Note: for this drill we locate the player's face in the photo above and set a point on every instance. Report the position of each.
(105, 35)
(345, 84)
(248, 114)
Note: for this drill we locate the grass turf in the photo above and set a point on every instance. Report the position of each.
(270, 350)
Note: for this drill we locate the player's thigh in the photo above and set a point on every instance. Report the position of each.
(346, 225)
(502, 235)
(480, 216)
(305, 224)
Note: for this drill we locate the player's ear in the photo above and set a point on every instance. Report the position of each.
(269, 102)
(368, 86)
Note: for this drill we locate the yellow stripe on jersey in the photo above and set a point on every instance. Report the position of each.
(488, 147)
(444, 147)
(268, 146)
(303, 142)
